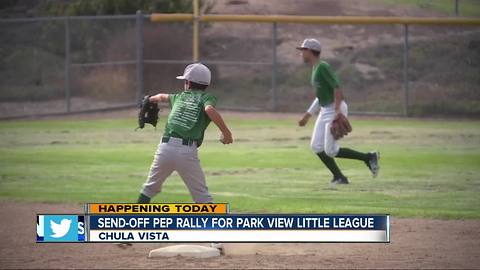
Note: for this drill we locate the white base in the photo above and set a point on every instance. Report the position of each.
(194, 251)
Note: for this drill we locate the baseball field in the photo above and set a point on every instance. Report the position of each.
(428, 182)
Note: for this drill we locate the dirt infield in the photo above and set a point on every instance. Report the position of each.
(415, 243)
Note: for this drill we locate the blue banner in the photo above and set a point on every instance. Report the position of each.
(239, 222)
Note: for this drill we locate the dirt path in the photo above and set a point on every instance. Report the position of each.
(416, 243)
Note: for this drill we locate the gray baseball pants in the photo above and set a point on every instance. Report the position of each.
(174, 156)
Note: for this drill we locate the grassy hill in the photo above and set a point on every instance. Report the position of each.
(444, 62)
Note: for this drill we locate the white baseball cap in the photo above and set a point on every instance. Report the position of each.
(197, 73)
(311, 44)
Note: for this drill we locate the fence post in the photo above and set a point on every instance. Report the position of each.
(196, 29)
(456, 7)
(405, 72)
(274, 67)
(67, 64)
(139, 55)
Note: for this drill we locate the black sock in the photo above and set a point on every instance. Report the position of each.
(331, 164)
(352, 154)
(143, 198)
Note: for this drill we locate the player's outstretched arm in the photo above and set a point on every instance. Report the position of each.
(314, 108)
(338, 100)
(304, 120)
(159, 98)
(218, 120)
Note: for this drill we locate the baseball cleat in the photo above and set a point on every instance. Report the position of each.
(372, 163)
(218, 246)
(124, 245)
(340, 181)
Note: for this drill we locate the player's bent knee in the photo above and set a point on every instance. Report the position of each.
(331, 152)
(316, 148)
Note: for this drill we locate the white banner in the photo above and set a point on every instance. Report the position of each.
(365, 236)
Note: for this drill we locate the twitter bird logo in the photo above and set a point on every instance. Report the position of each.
(60, 230)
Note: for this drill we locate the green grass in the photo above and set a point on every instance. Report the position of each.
(430, 168)
(469, 8)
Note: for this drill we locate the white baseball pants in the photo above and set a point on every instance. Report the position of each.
(322, 138)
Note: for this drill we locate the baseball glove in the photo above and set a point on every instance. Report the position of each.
(340, 127)
(148, 113)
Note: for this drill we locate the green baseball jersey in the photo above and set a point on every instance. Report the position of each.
(187, 119)
(324, 81)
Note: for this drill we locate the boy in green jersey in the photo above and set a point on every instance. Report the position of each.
(191, 113)
(330, 102)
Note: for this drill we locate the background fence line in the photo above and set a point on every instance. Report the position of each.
(140, 60)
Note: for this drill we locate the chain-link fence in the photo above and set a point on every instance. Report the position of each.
(62, 65)
(444, 71)
(73, 64)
